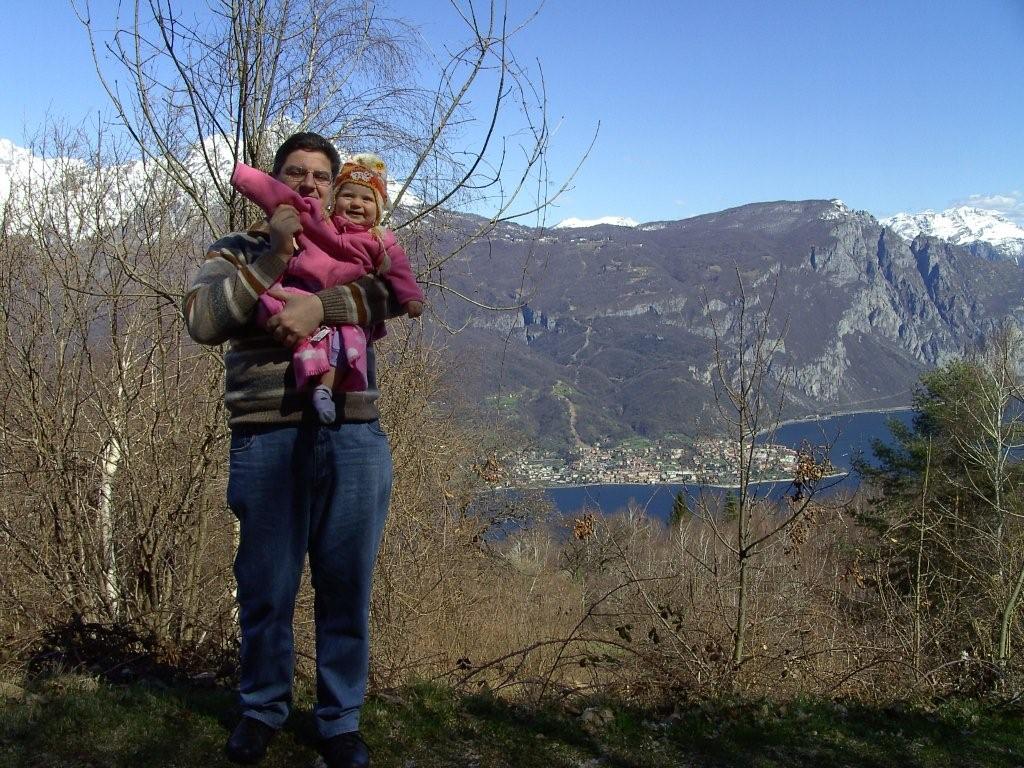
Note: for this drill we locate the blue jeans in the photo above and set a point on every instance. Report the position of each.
(321, 490)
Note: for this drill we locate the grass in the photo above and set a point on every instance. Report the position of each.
(505, 402)
(563, 389)
(75, 721)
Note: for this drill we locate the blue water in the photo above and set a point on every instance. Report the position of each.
(849, 435)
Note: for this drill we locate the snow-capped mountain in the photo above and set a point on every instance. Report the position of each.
(30, 181)
(27, 180)
(15, 163)
(20, 163)
(970, 227)
(617, 221)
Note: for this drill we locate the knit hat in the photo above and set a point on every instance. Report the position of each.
(368, 170)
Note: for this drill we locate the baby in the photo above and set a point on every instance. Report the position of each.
(334, 251)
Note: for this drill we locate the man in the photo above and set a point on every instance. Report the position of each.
(296, 486)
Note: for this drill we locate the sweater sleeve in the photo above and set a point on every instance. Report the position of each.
(366, 302)
(222, 295)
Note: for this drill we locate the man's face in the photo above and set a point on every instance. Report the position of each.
(308, 173)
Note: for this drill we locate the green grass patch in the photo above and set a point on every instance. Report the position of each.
(504, 402)
(563, 389)
(78, 722)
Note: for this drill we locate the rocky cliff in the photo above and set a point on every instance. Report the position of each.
(620, 322)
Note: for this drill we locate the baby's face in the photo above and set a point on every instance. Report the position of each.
(356, 203)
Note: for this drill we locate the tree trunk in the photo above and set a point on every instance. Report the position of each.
(1007, 617)
(108, 469)
(918, 576)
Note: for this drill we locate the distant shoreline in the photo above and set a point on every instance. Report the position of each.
(828, 416)
(659, 485)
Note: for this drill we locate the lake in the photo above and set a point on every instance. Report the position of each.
(850, 435)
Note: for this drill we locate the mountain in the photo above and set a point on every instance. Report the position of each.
(122, 185)
(618, 221)
(615, 334)
(987, 233)
(612, 332)
(15, 162)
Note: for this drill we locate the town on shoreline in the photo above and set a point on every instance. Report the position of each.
(705, 461)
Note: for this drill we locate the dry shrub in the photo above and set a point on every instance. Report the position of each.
(445, 593)
(112, 422)
(650, 613)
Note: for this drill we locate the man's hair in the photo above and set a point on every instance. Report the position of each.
(311, 142)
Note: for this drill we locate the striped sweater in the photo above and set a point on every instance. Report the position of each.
(259, 387)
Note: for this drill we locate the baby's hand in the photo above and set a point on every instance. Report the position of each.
(414, 308)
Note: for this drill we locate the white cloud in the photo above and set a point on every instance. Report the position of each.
(1011, 205)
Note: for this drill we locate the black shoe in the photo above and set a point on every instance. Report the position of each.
(346, 750)
(248, 742)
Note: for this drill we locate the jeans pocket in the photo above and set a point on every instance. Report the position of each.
(240, 441)
(376, 428)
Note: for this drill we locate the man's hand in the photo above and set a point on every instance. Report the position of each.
(301, 315)
(284, 226)
(414, 308)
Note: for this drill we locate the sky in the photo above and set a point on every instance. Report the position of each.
(894, 105)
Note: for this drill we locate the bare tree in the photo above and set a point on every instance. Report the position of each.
(200, 91)
(110, 430)
(198, 94)
(750, 380)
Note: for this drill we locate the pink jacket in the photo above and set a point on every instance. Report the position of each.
(330, 253)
